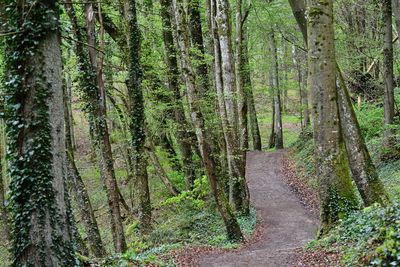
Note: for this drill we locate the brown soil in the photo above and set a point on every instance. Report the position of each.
(285, 224)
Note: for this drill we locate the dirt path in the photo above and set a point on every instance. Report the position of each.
(285, 224)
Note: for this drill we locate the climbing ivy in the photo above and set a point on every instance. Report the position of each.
(29, 134)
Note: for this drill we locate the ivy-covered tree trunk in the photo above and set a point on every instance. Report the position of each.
(183, 135)
(94, 106)
(42, 218)
(80, 192)
(196, 37)
(203, 137)
(137, 119)
(277, 93)
(337, 195)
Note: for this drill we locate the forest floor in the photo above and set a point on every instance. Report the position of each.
(285, 224)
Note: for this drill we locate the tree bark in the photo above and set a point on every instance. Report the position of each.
(271, 142)
(92, 88)
(203, 137)
(364, 172)
(336, 190)
(42, 216)
(196, 36)
(4, 213)
(396, 12)
(136, 121)
(277, 93)
(242, 82)
(388, 64)
(299, 10)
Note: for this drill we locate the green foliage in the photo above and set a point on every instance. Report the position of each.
(195, 196)
(370, 118)
(368, 237)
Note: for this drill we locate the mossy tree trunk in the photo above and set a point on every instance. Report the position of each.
(203, 137)
(363, 169)
(34, 116)
(90, 82)
(137, 119)
(337, 195)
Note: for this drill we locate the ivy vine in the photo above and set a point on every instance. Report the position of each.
(29, 148)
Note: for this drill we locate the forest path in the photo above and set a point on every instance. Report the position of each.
(286, 224)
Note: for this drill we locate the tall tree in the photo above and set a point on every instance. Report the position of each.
(137, 119)
(183, 136)
(363, 170)
(203, 137)
(388, 63)
(227, 100)
(79, 190)
(278, 129)
(4, 212)
(35, 129)
(91, 86)
(336, 191)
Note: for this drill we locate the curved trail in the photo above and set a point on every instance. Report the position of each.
(285, 224)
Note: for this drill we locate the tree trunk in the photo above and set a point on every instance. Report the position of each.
(388, 64)
(271, 142)
(227, 94)
(92, 88)
(299, 10)
(252, 113)
(78, 187)
(183, 136)
(136, 120)
(364, 172)
(42, 216)
(196, 36)
(396, 12)
(4, 213)
(277, 93)
(336, 190)
(203, 137)
(241, 81)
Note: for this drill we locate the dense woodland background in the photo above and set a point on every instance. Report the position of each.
(131, 142)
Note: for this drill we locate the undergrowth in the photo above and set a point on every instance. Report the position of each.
(189, 219)
(369, 237)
